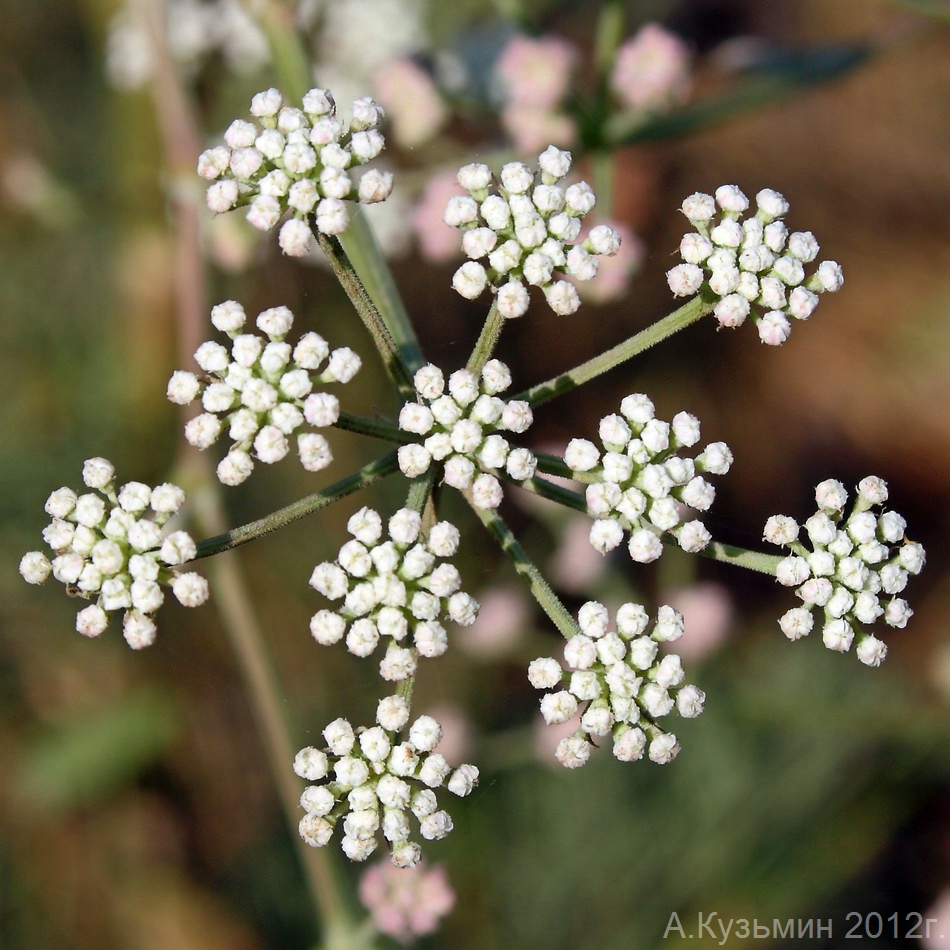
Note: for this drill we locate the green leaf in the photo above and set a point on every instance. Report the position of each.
(87, 758)
(782, 77)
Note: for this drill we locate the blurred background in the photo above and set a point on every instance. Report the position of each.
(137, 810)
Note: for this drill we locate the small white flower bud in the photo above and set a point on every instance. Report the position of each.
(562, 297)
(774, 328)
(663, 749)
(332, 217)
(605, 534)
(190, 589)
(684, 279)
(92, 621)
(730, 198)
(138, 630)
(470, 280)
(474, 177)
(837, 635)
(871, 651)
(829, 277)
(496, 212)
(644, 546)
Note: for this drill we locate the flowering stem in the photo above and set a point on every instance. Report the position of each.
(540, 588)
(563, 496)
(345, 273)
(377, 428)
(488, 338)
(299, 509)
(741, 557)
(369, 263)
(689, 313)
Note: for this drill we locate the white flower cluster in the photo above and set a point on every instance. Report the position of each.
(854, 570)
(526, 230)
(640, 483)
(296, 160)
(109, 547)
(395, 589)
(261, 391)
(623, 683)
(462, 429)
(755, 266)
(371, 782)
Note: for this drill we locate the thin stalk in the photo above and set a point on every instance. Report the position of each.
(361, 248)
(376, 428)
(742, 557)
(563, 496)
(299, 509)
(610, 27)
(540, 589)
(346, 274)
(689, 313)
(487, 339)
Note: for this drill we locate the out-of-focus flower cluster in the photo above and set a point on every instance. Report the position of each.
(261, 392)
(108, 546)
(857, 565)
(754, 265)
(640, 482)
(525, 228)
(370, 782)
(462, 429)
(297, 161)
(406, 903)
(195, 31)
(622, 682)
(395, 589)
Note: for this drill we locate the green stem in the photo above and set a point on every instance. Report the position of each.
(563, 496)
(345, 273)
(742, 557)
(689, 313)
(610, 27)
(361, 248)
(376, 428)
(488, 338)
(299, 509)
(540, 588)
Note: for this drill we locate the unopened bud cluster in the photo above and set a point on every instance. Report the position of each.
(640, 483)
(108, 547)
(526, 228)
(396, 590)
(261, 392)
(462, 430)
(369, 783)
(297, 161)
(754, 265)
(620, 681)
(857, 565)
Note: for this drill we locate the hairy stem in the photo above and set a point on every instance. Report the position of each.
(349, 280)
(299, 509)
(527, 569)
(377, 428)
(488, 338)
(689, 313)
(374, 272)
